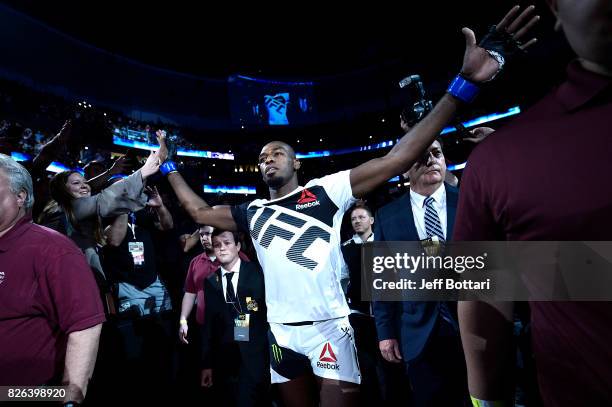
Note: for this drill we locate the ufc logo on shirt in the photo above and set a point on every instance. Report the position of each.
(291, 220)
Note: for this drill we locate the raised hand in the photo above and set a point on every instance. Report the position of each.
(163, 148)
(478, 64)
(155, 200)
(152, 164)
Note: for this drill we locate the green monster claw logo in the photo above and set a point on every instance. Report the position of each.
(277, 353)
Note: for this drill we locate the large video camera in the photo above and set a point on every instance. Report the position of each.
(414, 112)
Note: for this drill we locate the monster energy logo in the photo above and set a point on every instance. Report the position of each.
(277, 353)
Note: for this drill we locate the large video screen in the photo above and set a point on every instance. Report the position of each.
(262, 102)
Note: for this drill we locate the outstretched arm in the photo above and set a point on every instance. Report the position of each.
(203, 214)
(118, 167)
(121, 197)
(478, 66)
(368, 176)
(52, 148)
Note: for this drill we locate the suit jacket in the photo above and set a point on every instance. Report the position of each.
(411, 322)
(218, 327)
(351, 252)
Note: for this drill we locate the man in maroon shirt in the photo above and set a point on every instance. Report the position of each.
(545, 177)
(199, 269)
(50, 309)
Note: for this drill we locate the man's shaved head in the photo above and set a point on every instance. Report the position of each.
(280, 144)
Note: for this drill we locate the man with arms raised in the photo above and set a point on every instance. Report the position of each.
(297, 237)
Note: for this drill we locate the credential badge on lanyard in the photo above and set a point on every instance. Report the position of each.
(136, 248)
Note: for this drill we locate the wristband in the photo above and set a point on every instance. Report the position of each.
(487, 403)
(168, 167)
(463, 89)
(183, 321)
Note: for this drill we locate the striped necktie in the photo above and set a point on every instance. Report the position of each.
(432, 220)
(433, 226)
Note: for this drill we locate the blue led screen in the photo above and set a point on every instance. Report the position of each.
(259, 102)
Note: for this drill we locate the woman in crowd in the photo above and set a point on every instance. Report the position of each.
(76, 213)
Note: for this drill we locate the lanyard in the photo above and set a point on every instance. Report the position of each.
(239, 309)
(132, 224)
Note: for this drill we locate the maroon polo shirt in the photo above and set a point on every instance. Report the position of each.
(47, 291)
(547, 176)
(199, 269)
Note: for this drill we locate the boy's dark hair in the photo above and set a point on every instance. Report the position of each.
(217, 232)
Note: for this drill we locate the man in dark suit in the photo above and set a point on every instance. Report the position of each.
(235, 330)
(423, 335)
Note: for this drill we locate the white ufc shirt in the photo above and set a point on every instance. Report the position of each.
(297, 239)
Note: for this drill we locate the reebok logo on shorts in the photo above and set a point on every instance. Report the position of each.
(327, 359)
(307, 200)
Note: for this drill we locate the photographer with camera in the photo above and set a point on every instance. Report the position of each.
(424, 335)
(414, 112)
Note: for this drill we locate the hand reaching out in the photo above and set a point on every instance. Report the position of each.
(169, 143)
(163, 148)
(156, 158)
(478, 64)
(155, 200)
(152, 164)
